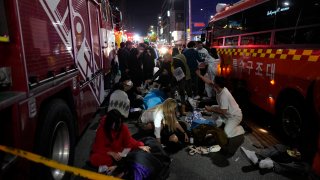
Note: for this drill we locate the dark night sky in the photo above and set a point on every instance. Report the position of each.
(143, 13)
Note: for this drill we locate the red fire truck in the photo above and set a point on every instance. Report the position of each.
(52, 62)
(271, 48)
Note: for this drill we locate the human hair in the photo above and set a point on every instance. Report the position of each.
(175, 51)
(220, 81)
(169, 112)
(167, 56)
(113, 122)
(122, 44)
(128, 43)
(199, 42)
(133, 53)
(191, 44)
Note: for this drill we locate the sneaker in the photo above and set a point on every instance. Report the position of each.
(214, 148)
(197, 97)
(266, 164)
(251, 155)
(192, 102)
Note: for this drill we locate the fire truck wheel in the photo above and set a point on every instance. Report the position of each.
(291, 118)
(56, 139)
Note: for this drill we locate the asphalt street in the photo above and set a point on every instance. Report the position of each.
(200, 167)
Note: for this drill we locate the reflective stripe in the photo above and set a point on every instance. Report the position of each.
(54, 164)
(283, 54)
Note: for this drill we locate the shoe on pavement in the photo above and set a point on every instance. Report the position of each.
(214, 148)
(192, 102)
(266, 164)
(251, 155)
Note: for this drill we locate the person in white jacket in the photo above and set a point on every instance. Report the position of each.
(212, 62)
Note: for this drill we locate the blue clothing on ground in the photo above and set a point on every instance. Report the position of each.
(153, 98)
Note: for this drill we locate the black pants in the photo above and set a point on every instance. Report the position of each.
(283, 163)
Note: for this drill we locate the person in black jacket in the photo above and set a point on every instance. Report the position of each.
(123, 56)
(193, 58)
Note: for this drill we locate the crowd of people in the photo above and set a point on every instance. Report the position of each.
(184, 76)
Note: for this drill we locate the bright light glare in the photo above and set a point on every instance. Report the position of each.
(286, 3)
(263, 130)
(272, 82)
(136, 37)
(163, 50)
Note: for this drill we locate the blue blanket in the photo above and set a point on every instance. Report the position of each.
(153, 98)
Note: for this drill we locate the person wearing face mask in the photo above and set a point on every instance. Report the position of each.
(227, 110)
(125, 84)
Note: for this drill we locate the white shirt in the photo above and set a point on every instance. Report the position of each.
(155, 116)
(226, 101)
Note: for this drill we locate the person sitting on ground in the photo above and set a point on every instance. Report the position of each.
(163, 121)
(278, 158)
(112, 135)
(124, 84)
(228, 110)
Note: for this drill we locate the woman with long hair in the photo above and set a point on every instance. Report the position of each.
(112, 138)
(162, 119)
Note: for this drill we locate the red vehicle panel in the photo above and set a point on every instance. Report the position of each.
(271, 52)
(51, 78)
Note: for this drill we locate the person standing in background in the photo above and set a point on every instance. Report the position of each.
(193, 60)
(124, 56)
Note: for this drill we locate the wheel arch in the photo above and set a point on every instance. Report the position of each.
(66, 96)
(288, 94)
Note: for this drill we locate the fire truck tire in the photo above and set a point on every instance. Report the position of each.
(55, 139)
(291, 117)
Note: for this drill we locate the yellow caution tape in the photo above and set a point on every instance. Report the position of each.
(54, 164)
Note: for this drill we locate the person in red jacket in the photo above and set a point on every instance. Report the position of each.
(112, 136)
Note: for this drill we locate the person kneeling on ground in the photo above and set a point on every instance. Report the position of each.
(228, 110)
(163, 121)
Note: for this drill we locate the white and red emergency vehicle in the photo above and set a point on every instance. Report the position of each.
(52, 61)
(270, 49)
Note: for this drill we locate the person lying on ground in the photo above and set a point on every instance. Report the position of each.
(280, 159)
